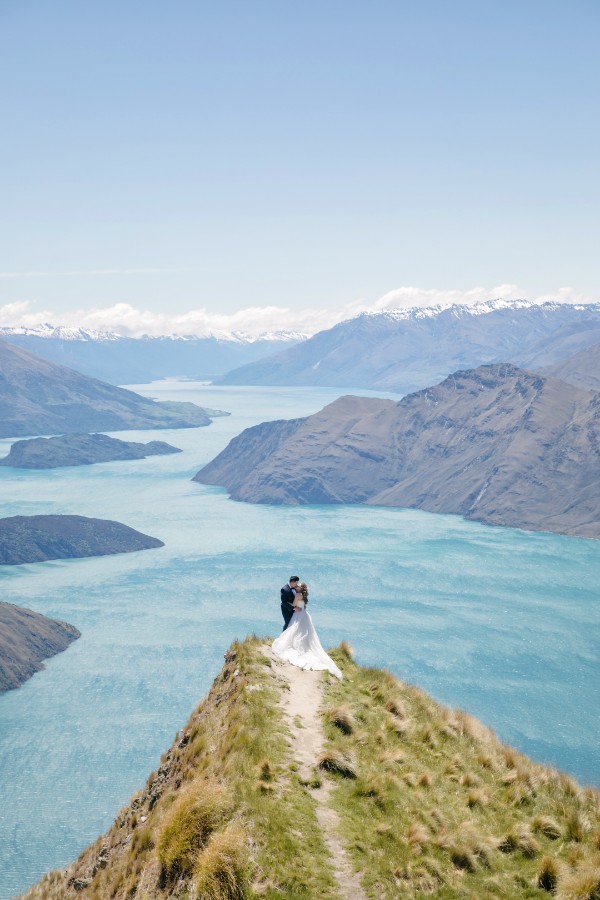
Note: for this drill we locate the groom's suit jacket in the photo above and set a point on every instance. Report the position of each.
(287, 599)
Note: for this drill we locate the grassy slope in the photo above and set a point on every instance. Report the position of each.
(437, 807)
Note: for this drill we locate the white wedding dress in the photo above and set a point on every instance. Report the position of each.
(299, 644)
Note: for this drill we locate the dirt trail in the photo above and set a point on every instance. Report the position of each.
(301, 700)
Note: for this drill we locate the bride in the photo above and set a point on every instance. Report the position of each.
(299, 644)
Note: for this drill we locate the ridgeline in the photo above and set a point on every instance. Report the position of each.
(290, 784)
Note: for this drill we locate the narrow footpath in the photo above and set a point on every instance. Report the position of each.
(301, 700)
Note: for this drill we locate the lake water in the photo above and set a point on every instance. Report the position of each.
(497, 621)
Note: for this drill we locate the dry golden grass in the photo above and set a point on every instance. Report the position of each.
(338, 762)
(437, 807)
(222, 869)
(583, 884)
(546, 825)
(190, 822)
(342, 718)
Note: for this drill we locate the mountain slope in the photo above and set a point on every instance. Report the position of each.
(40, 397)
(405, 351)
(497, 444)
(26, 639)
(581, 369)
(286, 785)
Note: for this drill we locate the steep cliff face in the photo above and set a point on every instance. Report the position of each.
(26, 639)
(496, 444)
(402, 797)
(27, 539)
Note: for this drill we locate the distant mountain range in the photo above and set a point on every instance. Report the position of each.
(39, 397)
(26, 639)
(123, 360)
(497, 444)
(406, 350)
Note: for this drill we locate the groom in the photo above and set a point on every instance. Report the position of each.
(288, 593)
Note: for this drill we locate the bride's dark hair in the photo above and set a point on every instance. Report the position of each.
(303, 588)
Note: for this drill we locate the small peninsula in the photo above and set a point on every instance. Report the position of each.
(79, 450)
(289, 784)
(26, 639)
(39, 397)
(29, 539)
(497, 444)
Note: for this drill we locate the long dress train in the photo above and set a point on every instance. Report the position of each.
(299, 644)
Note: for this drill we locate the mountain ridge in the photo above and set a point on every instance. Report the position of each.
(287, 784)
(496, 444)
(408, 350)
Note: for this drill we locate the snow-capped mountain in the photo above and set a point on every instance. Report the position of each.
(403, 350)
(119, 359)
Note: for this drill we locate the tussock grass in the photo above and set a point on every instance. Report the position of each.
(548, 826)
(437, 807)
(222, 869)
(453, 813)
(190, 822)
(520, 839)
(342, 718)
(338, 762)
(346, 650)
(584, 884)
(548, 874)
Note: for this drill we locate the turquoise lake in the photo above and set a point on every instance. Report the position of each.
(500, 622)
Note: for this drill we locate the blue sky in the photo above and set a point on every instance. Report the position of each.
(293, 162)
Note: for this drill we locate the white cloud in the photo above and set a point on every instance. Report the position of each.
(253, 321)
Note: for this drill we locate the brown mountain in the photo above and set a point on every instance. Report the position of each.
(28, 539)
(497, 444)
(41, 397)
(27, 638)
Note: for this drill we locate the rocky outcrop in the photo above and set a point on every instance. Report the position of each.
(41, 397)
(497, 444)
(26, 639)
(79, 450)
(29, 539)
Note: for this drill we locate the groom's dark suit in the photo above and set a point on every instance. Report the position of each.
(287, 599)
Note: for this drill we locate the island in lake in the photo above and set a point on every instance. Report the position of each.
(497, 444)
(29, 539)
(79, 450)
(26, 639)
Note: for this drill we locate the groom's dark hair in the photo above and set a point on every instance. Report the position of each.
(294, 578)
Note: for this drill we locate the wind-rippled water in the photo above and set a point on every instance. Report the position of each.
(500, 622)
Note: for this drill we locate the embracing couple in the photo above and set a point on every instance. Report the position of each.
(299, 643)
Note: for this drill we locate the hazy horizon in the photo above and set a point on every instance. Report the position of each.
(191, 167)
